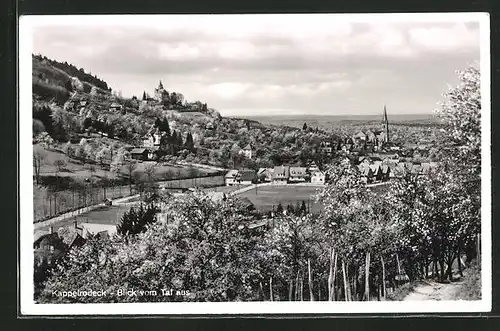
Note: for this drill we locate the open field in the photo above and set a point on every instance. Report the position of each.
(101, 215)
(76, 168)
(264, 198)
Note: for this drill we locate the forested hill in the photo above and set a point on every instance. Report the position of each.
(70, 70)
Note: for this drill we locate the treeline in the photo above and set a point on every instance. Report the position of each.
(75, 72)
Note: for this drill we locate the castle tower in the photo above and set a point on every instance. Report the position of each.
(385, 124)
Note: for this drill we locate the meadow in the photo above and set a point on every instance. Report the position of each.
(264, 198)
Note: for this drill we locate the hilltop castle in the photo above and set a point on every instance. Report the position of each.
(159, 91)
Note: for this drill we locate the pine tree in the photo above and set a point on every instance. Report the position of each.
(144, 95)
(304, 127)
(303, 208)
(189, 142)
(279, 209)
(136, 220)
(164, 126)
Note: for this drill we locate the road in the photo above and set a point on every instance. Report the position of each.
(430, 290)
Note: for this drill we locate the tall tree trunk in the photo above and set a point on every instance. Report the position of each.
(367, 277)
(330, 276)
(301, 289)
(355, 287)
(261, 288)
(441, 266)
(349, 293)
(334, 291)
(290, 290)
(383, 276)
(271, 289)
(479, 249)
(399, 265)
(450, 267)
(311, 294)
(297, 287)
(346, 293)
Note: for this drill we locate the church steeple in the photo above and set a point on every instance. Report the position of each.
(385, 124)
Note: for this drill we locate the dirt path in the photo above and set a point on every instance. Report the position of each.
(430, 290)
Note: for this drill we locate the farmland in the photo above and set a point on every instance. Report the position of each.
(264, 198)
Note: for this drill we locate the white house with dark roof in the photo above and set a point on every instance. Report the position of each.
(297, 174)
(281, 174)
(318, 177)
(247, 151)
(265, 174)
(230, 177)
(151, 140)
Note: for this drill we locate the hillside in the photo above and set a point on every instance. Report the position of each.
(70, 108)
(94, 124)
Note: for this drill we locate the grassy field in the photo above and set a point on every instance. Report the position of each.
(101, 215)
(76, 168)
(264, 198)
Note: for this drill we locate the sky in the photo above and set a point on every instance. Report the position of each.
(243, 65)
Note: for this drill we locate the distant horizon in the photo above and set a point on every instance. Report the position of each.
(333, 115)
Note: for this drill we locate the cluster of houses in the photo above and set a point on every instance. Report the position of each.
(375, 170)
(277, 175)
(50, 244)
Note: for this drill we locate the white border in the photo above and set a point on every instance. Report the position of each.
(28, 307)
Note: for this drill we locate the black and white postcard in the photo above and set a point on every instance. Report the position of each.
(255, 164)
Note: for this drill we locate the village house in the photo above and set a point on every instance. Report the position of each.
(318, 177)
(247, 151)
(139, 154)
(230, 177)
(151, 140)
(281, 174)
(265, 174)
(312, 167)
(115, 107)
(326, 148)
(102, 230)
(245, 177)
(297, 174)
(50, 246)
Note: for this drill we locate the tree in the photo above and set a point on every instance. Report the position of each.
(189, 144)
(60, 164)
(38, 127)
(461, 114)
(144, 95)
(39, 158)
(136, 220)
(279, 209)
(304, 127)
(192, 247)
(130, 166)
